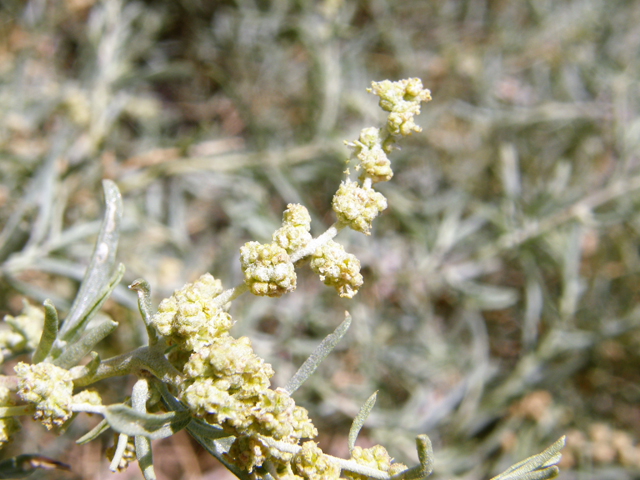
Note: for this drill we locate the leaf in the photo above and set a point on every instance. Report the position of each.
(94, 433)
(319, 354)
(72, 354)
(358, 422)
(425, 455)
(49, 333)
(99, 275)
(24, 465)
(536, 467)
(141, 287)
(125, 420)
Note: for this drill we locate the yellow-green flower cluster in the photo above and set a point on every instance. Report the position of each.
(25, 330)
(402, 100)
(228, 385)
(374, 457)
(373, 160)
(294, 233)
(337, 268)
(49, 388)
(357, 206)
(268, 270)
(312, 464)
(8, 425)
(189, 318)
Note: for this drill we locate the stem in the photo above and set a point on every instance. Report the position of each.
(317, 242)
(150, 359)
(16, 411)
(230, 294)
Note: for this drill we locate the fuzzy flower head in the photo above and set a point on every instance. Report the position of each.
(294, 233)
(337, 268)
(373, 160)
(232, 365)
(189, 317)
(268, 270)
(276, 415)
(8, 425)
(25, 329)
(402, 100)
(311, 463)
(356, 206)
(375, 457)
(247, 453)
(49, 388)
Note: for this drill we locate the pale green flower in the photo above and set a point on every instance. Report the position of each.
(231, 363)
(25, 329)
(8, 425)
(356, 206)
(189, 317)
(402, 100)
(313, 464)
(373, 160)
(268, 270)
(337, 268)
(375, 457)
(294, 233)
(49, 388)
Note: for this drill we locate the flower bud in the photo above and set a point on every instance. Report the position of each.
(294, 233)
(49, 388)
(357, 206)
(337, 268)
(268, 270)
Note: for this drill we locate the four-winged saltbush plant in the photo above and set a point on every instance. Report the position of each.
(194, 374)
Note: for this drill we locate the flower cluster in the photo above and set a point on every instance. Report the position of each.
(375, 457)
(310, 463)
(294, 233)
(402, 100)
(357, 205)
(337, 268)
(50, 388)
(24, 332)
(268, 270)
(8, 425)
(189, 318)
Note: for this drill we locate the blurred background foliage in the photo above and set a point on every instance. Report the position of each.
(500, 307)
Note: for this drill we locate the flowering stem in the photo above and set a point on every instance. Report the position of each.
(317, 242)
(230, 294)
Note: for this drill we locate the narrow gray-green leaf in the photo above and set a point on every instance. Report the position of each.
(358, 422)
(72, 354)
(24, 465)
(100, 267)
(49, 333)
(94, 433)
(319, 354)
(144, 457)
(153, 426)
(425, 455)
(536, 467)
(141, 287)
(100, 298)
(139, 397)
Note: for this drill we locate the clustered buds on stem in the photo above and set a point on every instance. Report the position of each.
(223, 381)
